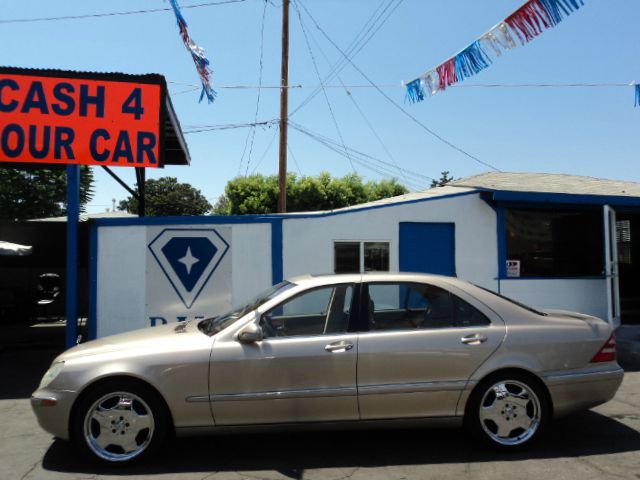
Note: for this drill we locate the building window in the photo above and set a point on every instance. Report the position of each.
(555, 243)
(359, 257)
(623, 239)
(347, 257)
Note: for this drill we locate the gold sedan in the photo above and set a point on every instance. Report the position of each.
(338, 350)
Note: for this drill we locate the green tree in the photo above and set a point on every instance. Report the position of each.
(167, 197)
(39, 193)
(443, 180)
(258, 194)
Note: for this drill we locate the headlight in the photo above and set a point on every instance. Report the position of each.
(51, 374)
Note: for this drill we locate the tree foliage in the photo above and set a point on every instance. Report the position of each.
(258, 194)
(167, 197)
(39, 193)
(443, 180)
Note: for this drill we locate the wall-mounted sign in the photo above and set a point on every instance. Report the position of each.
(513, 268)
(45, 119)
(188, 273)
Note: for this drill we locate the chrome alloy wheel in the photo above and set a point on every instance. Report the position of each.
(119, 426)
(510, 412)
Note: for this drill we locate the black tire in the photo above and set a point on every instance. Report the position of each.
(508, 411)
(120, 422)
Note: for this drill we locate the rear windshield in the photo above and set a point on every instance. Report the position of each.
(511, 300)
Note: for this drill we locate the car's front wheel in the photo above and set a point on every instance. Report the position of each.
(120, 422)
(508, 411)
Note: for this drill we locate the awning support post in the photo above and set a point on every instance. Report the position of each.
(73, 214)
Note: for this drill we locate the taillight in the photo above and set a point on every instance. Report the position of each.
(608, 351)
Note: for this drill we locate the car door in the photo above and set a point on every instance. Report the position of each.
(422, 346)
(304, 370)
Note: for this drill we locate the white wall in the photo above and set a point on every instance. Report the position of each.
(120, 302)
(131, 287)
(123, 301)
(251, 252)
(579, 295)
(308, 242)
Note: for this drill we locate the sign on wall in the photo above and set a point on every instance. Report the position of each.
(513, 268)
(46, 119)
(188, 273)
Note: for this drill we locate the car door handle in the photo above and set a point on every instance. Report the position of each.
(337, 347)
(473, 339)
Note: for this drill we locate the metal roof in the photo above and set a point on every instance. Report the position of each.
(549, 183)
(431, 193)
(87, 216)
(519, 187)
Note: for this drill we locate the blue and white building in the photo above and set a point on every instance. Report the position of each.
(549, 240)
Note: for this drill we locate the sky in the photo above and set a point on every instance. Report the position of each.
(583, 131)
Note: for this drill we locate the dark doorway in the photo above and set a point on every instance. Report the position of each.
(628, 240)
(32, 286)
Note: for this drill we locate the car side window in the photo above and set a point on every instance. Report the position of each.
(316, 312)
(468, 315)
(409, 306)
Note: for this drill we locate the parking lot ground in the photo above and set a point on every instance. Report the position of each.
(597, 444)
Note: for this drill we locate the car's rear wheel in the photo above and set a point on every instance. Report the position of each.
(508, 411)
(120, 423)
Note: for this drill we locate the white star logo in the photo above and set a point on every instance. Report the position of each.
(188, 260)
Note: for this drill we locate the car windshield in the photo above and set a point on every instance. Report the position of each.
(213, 325)
(511, 300)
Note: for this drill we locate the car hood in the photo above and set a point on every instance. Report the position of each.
(142, 339)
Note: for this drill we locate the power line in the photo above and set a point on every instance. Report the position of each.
(228, 126)
(363, 115)
(399, 107)
(356, 45)
(356, 39)
(182, 92)
(266, 150)
(294, 158)
(113, 14)
(326, 97)
(326, 140)
(400, 86)
(377, 165)
(252, 131)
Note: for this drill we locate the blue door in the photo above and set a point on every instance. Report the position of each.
(427, 248)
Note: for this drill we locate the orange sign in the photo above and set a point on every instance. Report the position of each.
(51, 120)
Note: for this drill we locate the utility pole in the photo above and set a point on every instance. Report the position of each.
(284, 109)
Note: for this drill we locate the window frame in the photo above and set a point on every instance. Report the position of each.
(454, 299)
(503, 253)
(354, 311)
(361, 251)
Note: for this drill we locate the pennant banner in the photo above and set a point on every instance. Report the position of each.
(526, 23)
(197, 53)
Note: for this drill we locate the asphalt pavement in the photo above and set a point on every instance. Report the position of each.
(600, 443)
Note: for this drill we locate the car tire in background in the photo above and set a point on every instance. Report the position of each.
(508, 411)
(120, 422)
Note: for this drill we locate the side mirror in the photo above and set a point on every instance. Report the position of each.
(252, 333)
